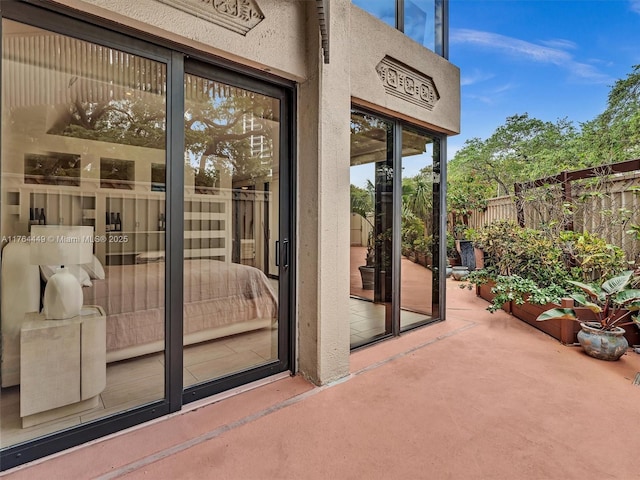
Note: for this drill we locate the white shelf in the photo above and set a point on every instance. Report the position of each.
(205, 216)
(135, 232)
(205, 252)
(199, 234)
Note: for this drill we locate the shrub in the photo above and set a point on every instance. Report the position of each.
(540, 266)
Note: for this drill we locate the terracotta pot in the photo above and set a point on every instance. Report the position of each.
(603, 344)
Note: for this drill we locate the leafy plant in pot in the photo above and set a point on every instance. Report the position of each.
(612, 303)
(362, 204)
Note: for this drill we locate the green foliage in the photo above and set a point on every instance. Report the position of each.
(513, 250)
(526, 148)
(613, 302)
(452, 252)
(129, 121)
(361, 202)
(413, 236)
(517, 289)
(614, 135)
(590, 257)
(539, 265)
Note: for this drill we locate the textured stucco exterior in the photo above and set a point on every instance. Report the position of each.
(323, 165)
(373, 40)
(276, 44)
(287, 43)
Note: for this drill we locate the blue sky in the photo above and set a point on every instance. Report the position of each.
(548, 58)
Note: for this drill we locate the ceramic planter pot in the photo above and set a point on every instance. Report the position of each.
(367, 274)
(459, 273)
(605, 345)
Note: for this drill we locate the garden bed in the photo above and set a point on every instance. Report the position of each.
(565, 331)
(484, 291)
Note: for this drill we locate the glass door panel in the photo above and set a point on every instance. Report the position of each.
(231, 212)
(418, 224)
(82, 127)
(371, 228)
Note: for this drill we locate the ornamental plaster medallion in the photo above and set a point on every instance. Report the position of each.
(408, 84)
(239, 16)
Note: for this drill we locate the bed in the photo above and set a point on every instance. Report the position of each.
(220, 299)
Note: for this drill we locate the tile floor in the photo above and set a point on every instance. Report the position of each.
(367, 320)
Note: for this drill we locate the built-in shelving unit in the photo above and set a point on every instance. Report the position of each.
(141, 237)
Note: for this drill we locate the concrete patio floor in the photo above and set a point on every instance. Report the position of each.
(480, 396)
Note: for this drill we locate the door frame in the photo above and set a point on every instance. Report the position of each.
(439, 248)
(286, 270)
(66, 21)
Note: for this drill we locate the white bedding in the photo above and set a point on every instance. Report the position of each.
(219, 299)
(216, 294)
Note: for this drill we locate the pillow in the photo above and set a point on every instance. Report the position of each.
(77, 271)
(94, 269)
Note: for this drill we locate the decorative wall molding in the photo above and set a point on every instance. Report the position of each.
(323, 20)
(239, 16)
(408, 84)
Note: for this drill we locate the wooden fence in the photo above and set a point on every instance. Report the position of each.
(606, 206)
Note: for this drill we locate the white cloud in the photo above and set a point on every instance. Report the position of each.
(490, 97)
(553, 55)
(476, 76)
(560, 43)
(635, 6)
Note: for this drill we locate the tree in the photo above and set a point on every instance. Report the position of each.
(614, 135)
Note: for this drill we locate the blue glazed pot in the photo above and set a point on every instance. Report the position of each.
(460, 273)
(605, 345)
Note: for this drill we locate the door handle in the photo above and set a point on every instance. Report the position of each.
(285, 245)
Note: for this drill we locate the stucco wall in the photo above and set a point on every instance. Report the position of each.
(371, 41)
(323, 214)
(276, 44)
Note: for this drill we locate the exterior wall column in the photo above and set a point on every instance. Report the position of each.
(324, 105)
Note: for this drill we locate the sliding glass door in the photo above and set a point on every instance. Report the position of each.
(372, 186)
(419, 228)
(83, 128)
(395, 211)
(146, 231)
(232, 225)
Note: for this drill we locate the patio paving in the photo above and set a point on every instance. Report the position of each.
(480, 396)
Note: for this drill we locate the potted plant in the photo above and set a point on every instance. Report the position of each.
(612, 303)
(367, 271)
(362, 204)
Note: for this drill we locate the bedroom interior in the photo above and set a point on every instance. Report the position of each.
(84, 134)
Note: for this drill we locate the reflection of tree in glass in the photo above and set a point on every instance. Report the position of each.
(129, 121)
(417, 196)
(228, 131)
(52, 169)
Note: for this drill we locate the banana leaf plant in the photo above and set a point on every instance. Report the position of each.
(613, 302)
